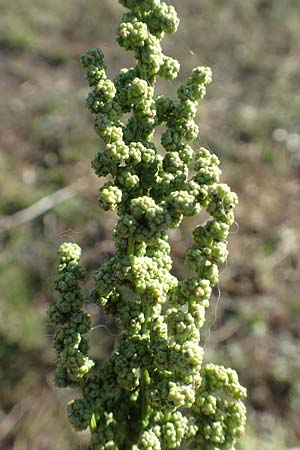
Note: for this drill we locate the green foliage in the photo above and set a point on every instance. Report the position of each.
(152, 392)
(15, 35)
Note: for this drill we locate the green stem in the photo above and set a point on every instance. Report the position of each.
(93, 423)
(130, 246)
(145, 381)
(145, 378)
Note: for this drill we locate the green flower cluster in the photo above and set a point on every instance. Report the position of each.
(152, 393)
(70, 345)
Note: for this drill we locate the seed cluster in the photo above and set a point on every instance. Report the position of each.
(152, 393)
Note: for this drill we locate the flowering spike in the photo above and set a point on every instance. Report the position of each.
(152, 392)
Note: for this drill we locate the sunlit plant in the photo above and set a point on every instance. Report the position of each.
(153, 392)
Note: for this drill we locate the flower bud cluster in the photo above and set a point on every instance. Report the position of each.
(152, 392)
(69, 343)
(219, 411)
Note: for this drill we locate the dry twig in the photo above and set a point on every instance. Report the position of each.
(41, 206)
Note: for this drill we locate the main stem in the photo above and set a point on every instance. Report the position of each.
(144, 375)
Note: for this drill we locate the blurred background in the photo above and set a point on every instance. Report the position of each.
(250, 119)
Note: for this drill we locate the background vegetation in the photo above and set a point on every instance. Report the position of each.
(250, 118)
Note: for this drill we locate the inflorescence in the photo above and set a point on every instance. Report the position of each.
(153, 392)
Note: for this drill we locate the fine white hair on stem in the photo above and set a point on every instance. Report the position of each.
(237, 227)
(96, 327)
(215, 316)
